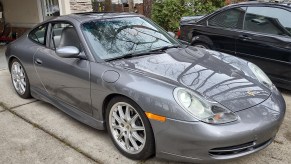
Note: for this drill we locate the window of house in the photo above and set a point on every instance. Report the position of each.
(50, 8)
(231, 18)
(39, 34)
(268, 20)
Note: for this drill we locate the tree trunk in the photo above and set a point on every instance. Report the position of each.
(108, 5)
(130, 6)
(147, 7)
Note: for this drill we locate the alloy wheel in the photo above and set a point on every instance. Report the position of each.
(18, 78)
(127, 128)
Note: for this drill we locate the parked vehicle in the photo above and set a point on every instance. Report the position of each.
(123, 73)
(257, 32)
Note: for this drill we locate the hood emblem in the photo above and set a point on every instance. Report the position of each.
(250, 93)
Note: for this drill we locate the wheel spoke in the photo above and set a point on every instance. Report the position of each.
(116, 127)
(120, 135)
(126, 142)
(22, 87)
(19, 86)
(18, 68)
(133, 142)
(117, 118)
(23, 83)
(22, 76)
(13, 76)
(137, 137)
(127, 113)
(121, 113)
(137, 128)
(15, 68)
(133, 119)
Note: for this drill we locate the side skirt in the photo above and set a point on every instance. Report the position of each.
(68, 109)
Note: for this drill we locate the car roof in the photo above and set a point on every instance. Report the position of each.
(87, 16)
(255, 3)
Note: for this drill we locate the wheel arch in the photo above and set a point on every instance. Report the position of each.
(10, 59)
(202, 39)
(107, 100)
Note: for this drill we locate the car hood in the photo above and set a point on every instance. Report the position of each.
(216, 76)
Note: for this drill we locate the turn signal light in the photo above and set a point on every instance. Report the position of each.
(155, 117)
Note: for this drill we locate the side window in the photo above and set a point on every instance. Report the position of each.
(231, 18)
(268, 20)
(63, 34)
(39, 34)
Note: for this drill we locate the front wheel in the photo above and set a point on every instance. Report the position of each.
(201, 45)
(129, 129)
(19, 79)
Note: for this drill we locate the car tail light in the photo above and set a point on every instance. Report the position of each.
(178, 33)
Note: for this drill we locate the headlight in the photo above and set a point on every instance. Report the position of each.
(261, 76)
(202, 109)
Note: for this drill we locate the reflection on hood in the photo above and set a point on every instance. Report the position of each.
(216, 76)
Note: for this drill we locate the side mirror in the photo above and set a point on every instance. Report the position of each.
(68, 52)
(172, 34)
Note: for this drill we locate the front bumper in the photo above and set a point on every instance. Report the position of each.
(200, 142)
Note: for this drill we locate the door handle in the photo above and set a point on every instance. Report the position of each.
(245, 37)
(38, 61)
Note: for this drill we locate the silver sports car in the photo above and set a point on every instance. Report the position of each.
(155, 96)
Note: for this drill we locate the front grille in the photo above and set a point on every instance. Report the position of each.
(233, 150)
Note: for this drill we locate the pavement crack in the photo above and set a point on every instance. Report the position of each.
(3, 106)
(23, 104)
(62, 140)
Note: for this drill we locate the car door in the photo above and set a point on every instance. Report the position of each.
(266, 41)
(67, 80)
(222, 29)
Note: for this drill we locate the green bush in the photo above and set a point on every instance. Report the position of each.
(167, 13)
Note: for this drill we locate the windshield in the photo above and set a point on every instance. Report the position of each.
(113, 38)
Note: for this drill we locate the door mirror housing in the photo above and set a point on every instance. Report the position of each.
(68, 52)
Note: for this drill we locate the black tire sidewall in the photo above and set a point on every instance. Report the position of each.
(149, 147)
(26, 94)
(202, 44)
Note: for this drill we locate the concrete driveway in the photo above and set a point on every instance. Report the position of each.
(32, 131)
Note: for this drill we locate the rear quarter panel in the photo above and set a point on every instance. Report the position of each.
(23, 49)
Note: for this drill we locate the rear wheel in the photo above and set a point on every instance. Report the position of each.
(201, 45)
(19, 79)
(129, 128)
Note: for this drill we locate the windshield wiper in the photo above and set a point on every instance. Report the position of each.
(167, 47)
(134, 54)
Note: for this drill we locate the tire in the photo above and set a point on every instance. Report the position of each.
(19, 79)
(201, 45)
(127, 130)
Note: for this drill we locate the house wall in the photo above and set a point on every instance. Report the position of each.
(78, 6)
(21, 13)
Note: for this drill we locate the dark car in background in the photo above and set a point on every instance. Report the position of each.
(257, 32)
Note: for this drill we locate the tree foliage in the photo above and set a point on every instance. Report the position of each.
(167, 13)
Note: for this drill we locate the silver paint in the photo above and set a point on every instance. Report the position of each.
(76, 86)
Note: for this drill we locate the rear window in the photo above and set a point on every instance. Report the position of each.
(231, 18)
(39, 34)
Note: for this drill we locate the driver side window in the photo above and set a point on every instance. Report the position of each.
(268, 20)
(64, 34)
